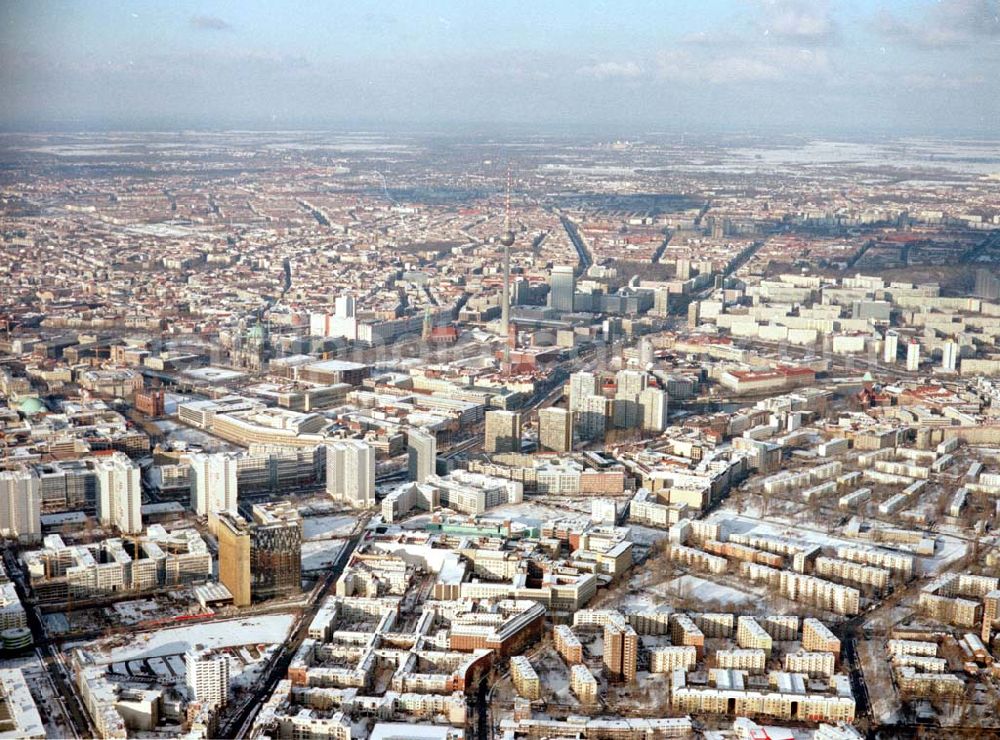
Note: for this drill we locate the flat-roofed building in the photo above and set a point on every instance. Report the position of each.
(583, 684)
(350, 472)
(555, 429)
(503, 431)
(525, 678)
(20, 505)
(233, 534)
(567, 644)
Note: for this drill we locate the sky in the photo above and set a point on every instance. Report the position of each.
(621, 66)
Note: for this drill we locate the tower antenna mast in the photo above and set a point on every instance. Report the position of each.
(507, 240)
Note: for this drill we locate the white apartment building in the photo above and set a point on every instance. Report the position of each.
(350, 472)
(119, 493)
(20, 505)
(213, 483)
(207, 677)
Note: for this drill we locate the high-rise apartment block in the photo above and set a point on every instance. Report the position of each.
(503, 431)
(949, 357)
(890, 348)
(555, 429)
(119, 494)
(422, 449)
(583, 684)
(592, 419)
(653, 408)
(213, 483)
(525, 678)
(987, 284)
(582, 386)
(621, 651)
(350, 472)
(630, 383)
(207, 677)
(20, 505)
(991, 613)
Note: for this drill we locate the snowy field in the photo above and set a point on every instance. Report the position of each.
(265, 629)
(328, 527)
(646, 535)
(319, 554)
(535, 514)
(704, 590)
(176, 432)
(131, 612)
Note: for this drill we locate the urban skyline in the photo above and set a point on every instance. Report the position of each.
(570, 371)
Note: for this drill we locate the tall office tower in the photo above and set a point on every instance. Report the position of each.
(612, 328)
(207, 677)
(582, 386)
(350, 472)
(119, 493)
(422, 450)
(520, 289)
(890, 349)
(621, 652)
(912, 356)
(20, 505)
(555, 429)
(233, 533)
(987, 284)
(653, 407)
(949, 357)
(562, 286)
(592, 418)
(503, 431)
(213, 482)
(275, 550)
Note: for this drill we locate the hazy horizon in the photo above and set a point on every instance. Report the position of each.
(905, 67)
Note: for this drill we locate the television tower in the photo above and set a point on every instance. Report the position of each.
(507, 240)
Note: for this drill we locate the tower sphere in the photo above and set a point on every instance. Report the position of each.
(507, 239)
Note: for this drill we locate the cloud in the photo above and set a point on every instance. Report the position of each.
(797, 21)
(777, 64)
(611, 70)
(209, 23)
(945, 24)
(940, 81)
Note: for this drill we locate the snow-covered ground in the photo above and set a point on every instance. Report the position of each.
(328, 527)
(646, 535)
(130, 612)
(319, 554)
(534, 514)
(266, 629)
(176, 432)
(704, 590)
